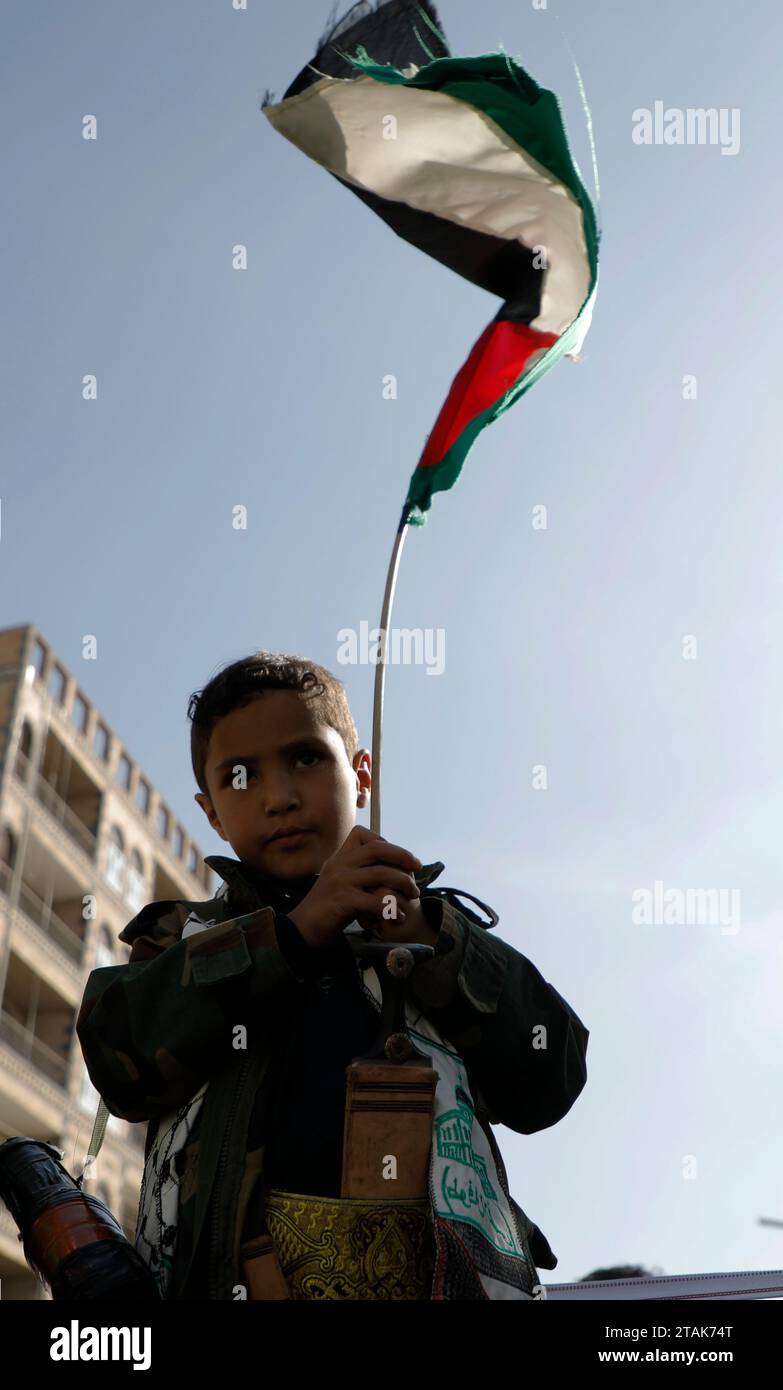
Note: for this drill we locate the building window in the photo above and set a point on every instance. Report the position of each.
(38, 656)
(35, 665)
(57, 684)
(104, 951)
(179, 841)
(8, 846)
(143, 796)
(79, 713)
(163, 822)
(134, 893)
(124, 770)
(192, 859)
(7, 857)
(23, 752)
(116, 863)
(101, 744)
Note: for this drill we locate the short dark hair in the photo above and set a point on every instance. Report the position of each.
(242, 681)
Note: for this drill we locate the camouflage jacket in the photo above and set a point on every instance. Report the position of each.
(154, 1030)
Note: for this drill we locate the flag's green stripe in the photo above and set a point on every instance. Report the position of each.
(441, 476)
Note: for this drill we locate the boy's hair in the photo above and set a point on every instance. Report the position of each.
(241, 681)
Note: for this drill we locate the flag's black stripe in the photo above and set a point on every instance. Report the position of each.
(385, 31)
(494, 263)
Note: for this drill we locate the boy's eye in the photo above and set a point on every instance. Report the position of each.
(230, 775)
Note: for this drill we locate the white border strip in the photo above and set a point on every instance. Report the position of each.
(759, 1283)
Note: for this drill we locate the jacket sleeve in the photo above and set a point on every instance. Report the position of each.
(522, 1043)
(153, 1030)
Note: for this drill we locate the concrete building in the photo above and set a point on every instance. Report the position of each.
(85, 842)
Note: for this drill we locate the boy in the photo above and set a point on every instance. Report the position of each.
(231, 1027)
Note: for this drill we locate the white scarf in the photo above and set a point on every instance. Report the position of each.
(158, 1216)
(156, 1229)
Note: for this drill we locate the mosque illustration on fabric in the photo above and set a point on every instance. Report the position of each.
(454, 1132)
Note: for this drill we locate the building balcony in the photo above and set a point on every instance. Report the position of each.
(43, 918)
(64, 815)
(28, 1046)
(57, 807)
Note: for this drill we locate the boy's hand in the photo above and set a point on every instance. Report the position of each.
(414, 927)
(352, 886)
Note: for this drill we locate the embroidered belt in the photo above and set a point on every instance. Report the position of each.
(336, 1248)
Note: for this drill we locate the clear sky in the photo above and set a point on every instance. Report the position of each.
(564, 647)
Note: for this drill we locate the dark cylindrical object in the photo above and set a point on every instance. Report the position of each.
(71, 1240)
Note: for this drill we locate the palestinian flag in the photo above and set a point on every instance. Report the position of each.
(468, 159)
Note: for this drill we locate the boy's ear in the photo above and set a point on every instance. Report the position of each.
(208, 809)
(362, 765)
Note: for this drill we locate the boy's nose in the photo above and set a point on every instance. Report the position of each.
(280, 800)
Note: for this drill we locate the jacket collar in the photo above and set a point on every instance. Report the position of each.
(245, 883)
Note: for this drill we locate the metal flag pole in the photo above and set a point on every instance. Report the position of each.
(390, 1091)
(380, 671)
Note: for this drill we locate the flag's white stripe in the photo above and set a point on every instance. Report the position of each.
(450, 159)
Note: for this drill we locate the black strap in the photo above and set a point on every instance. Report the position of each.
(454, 894)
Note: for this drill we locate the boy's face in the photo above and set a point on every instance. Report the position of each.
(312, 785)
